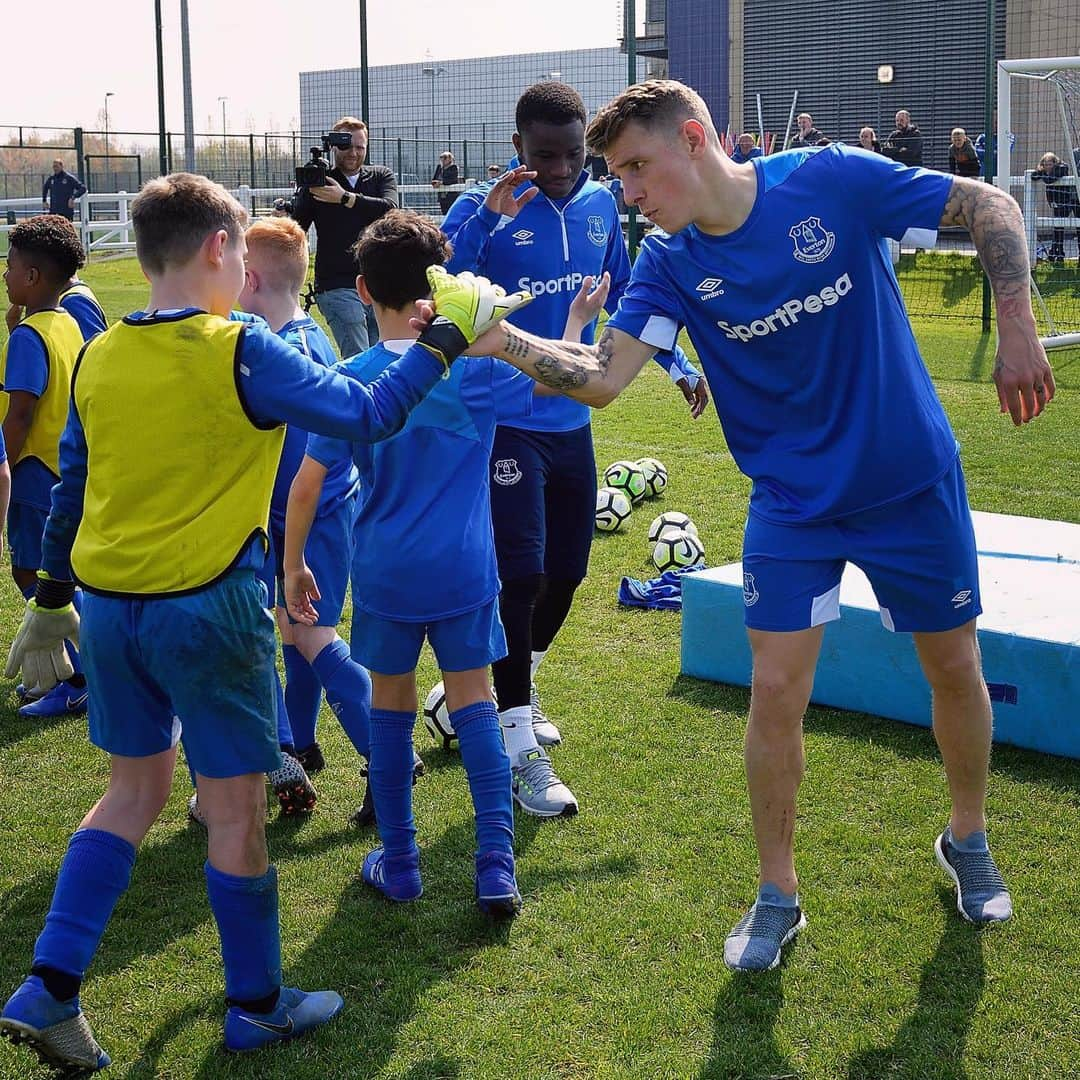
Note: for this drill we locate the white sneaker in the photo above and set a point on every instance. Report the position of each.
(547, 734)
(536, 788)
(193, 811)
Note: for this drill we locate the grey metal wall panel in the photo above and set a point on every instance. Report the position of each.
(697, 36)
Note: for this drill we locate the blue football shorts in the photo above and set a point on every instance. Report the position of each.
(919, 554)
(463, 642)
(328, 553)
(543, 502)
(26, 527)
(198, 667)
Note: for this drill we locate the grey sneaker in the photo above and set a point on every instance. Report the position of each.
(981, 895)
(755, 942)
(294, 791)
(193, 811)
(547, 734)
(536, 788)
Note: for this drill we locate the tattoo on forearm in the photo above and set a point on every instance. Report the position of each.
(562, 365)
(997, 229)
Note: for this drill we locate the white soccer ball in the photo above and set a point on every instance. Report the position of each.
(668, 518)
(612, 509)
(437, 717)
(676, 550)
(628, 478)
(655, 475)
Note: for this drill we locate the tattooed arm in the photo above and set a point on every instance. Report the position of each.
(1022, 374)
(593, 374)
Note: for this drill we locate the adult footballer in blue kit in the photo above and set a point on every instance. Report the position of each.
(544, 226)
(780, 272)
(167, 462)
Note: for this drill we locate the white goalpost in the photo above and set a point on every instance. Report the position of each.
(1043, 116)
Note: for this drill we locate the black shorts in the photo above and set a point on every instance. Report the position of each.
(543, 502)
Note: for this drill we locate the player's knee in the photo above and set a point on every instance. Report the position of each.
(957, 671)
(779, 695)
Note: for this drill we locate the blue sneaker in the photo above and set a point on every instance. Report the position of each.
(397, 877)
(296, 1013)
(981, 895)
(757, 938)
(496, 887)
(61, 700)
(56, 1031)
(26, 694)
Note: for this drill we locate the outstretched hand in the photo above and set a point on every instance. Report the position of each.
(501, 199)
(697, 396)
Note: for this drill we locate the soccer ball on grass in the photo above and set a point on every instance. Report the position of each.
(677, 549)
(612, 509)
(628, 478)
(671, 519)
(655, 476)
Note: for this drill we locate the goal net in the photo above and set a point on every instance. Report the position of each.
(1037, 160)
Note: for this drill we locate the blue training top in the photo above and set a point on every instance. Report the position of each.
(549, 248)
(423, 546)
(86, 311)
(305, 335)
(798, 321)
(276, 385)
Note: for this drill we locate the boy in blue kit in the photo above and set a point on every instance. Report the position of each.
(167, 464)
(423, 567)
(277, 262)
(815, 371)
(35, 370)
(544, 226)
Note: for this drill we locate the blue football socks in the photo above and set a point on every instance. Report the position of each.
(487, 767)
(95, 871)
(348, 693)
(390, 776)
(303, 693)
(246, 912)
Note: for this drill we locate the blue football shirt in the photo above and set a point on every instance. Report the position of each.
(798, 321)
(423, 545)
(305, 335)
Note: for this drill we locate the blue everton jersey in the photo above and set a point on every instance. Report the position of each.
(308, 337)
(548, 249)
(799, 324)
(423, 546)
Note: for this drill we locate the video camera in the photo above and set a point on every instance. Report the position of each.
(313, 172)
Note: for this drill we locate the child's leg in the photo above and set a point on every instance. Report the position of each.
(475, 720)
(390, 774)
(303, 691)
(347, 685)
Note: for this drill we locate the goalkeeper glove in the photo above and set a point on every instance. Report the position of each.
(465, 306)
(38, 649)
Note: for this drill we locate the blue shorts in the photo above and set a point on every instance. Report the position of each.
(919, 555)
(328, 553)
(460, 643)
(543, 502)
(200, 667)
(26, 527)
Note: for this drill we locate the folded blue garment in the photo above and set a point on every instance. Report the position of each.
(662, 593)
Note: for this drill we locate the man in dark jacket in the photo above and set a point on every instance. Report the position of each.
(354, 196)
(807, 134)
(963, 160)
(446, 175)
(59, 192)
(905, 143)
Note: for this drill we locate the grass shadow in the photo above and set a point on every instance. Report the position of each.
(385, 957)
(935, 1034)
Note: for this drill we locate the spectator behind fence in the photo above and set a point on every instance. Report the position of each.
(745, 149)
(963, 160)
(445, 175)
(868, 140)
(1063, 200)
(905, 143)
(983, 140)
(355, 195)
(60, 191)
(807, 134)
(494, 172)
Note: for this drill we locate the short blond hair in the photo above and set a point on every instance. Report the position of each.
(278, 249)
(350, 123)
(658, 103)
(173, 215)
(958, 131)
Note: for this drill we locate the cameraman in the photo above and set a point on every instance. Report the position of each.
(354, 196)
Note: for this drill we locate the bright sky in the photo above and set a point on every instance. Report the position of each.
(251, 52)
